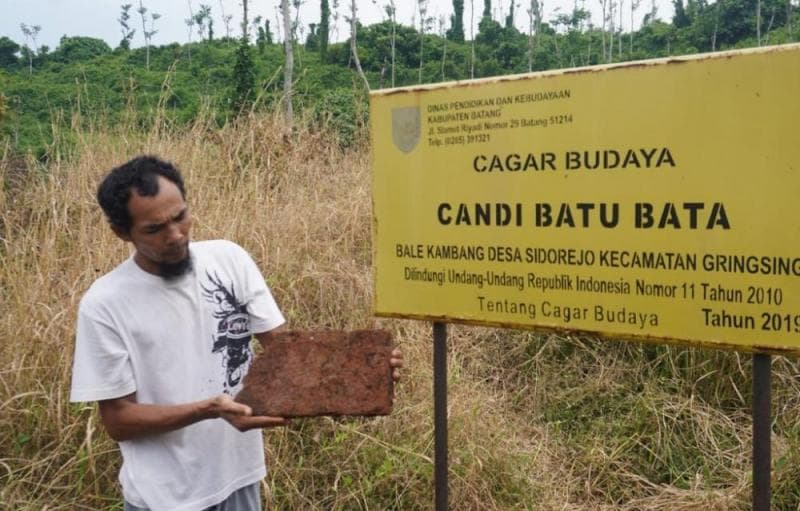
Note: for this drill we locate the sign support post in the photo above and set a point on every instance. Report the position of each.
(440, 413)
(762, 462)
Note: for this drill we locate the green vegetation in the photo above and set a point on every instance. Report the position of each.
(84, 76)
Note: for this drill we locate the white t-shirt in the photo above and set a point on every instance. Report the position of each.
(175, 342)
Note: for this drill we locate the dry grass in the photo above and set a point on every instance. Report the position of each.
(536, 422)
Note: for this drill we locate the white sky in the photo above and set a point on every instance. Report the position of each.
(98, 18)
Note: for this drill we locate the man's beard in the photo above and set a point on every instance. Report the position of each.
(172, 271)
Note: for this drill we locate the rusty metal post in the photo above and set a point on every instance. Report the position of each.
(762, 429)
(440, 414)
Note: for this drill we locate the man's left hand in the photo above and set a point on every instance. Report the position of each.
(396, 363)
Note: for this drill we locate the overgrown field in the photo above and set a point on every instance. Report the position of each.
(542, 422)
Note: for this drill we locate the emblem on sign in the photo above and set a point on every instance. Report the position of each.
(405, 128)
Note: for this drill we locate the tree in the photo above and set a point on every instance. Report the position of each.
(534, 26)
(442, 36)
(680, 19)
(353, 19)
(312, 40)
(501, 50)
(79, 49)
(297, 28)
(510, 17)
(125, 28)
(8, 52)
(619, 39)
(758, 21)
(261, 35)
(148, 34)
(611, 6)
(487, 9)
(634, 5)
(424, 20)
(391, 12)
(335, 15)
(603, 19)
(204, 22)
(226, 20)
(288, 68)
(324, 29)
(472, 38)
(244, 78)
(190, 22)
(264, 36)
(456, 31)
(30, 33)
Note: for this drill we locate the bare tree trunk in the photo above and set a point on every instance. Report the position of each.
(611, 6)
(423, 11)
(472, 37)
(530, 36)
(288, 69)
(393, 19)
(769, 26)
(443, 35)
(394, 40)
(603, 27)
(758, 22)
(620, 41)
(534, 26)
(634, 6)
(558, 51)
(225, 19)
(278, 23)
(142, 11)
(716, 27)
(190, 24)
(353, 47)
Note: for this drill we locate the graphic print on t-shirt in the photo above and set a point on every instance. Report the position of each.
(232, 337)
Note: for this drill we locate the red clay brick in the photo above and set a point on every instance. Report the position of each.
(312, 373)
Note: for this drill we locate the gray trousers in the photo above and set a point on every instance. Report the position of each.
(243, 499)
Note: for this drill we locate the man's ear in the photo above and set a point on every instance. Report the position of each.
(121, 233)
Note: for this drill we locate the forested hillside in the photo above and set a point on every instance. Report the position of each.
(85, 80)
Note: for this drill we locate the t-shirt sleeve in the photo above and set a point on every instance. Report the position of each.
(101, 368)
(264, 312)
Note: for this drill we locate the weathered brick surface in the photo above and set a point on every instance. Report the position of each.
(312, 373)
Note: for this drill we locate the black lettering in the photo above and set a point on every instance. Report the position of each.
(444, 218)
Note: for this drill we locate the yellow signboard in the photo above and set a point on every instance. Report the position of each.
(656, 199)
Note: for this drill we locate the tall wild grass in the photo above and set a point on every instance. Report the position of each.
(545, 422)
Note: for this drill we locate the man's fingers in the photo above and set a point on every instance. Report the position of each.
(224, 404)
(396, 361)
(239, 409)
(258, 421)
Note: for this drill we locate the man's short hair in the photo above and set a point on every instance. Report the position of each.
(140, 174)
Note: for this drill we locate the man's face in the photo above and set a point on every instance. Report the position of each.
(160, 230)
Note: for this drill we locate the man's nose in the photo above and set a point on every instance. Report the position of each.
(174, 233)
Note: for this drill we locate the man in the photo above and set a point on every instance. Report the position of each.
(163, 342)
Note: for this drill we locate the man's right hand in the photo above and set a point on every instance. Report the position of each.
(126, 419)
(241, 416)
